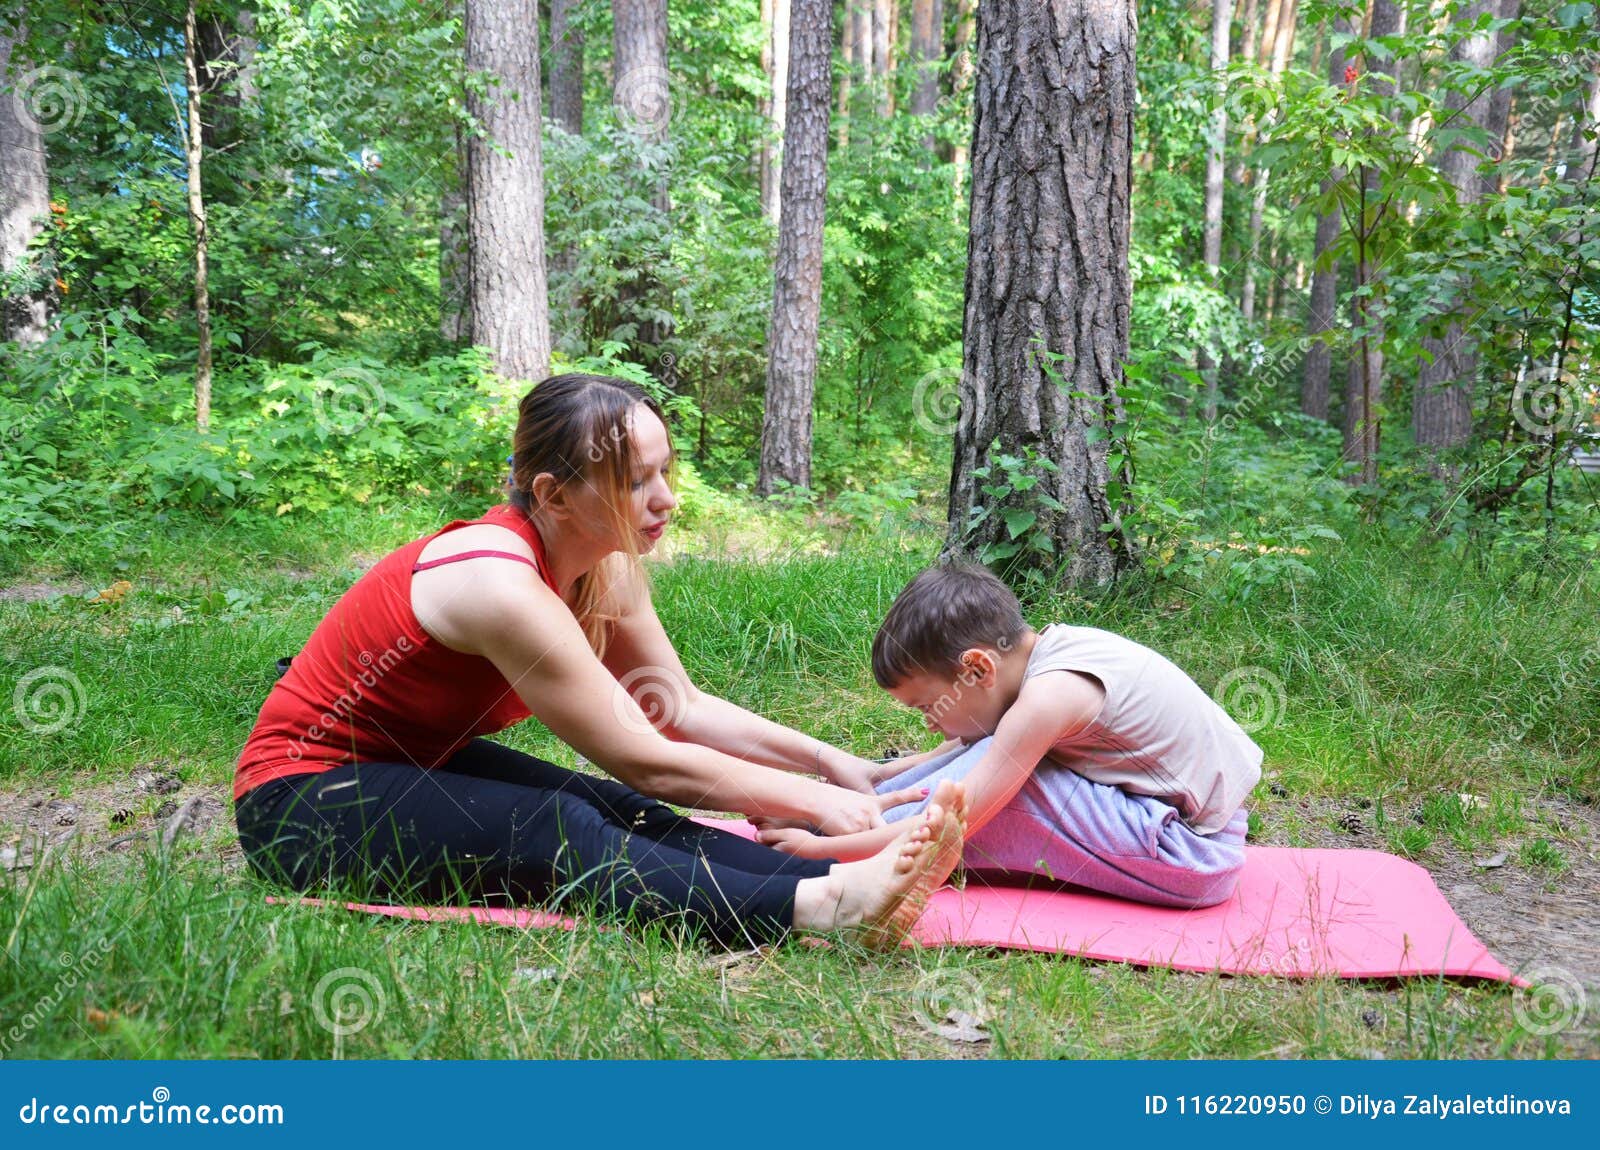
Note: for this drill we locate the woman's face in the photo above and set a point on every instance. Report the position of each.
(648, 499)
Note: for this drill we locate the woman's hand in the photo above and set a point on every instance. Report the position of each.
(849, 812)
(853, 774)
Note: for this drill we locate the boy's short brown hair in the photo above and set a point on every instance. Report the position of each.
(942, 612)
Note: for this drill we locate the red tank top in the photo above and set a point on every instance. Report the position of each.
(371, 685)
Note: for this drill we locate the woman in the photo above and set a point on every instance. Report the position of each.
(367, 764)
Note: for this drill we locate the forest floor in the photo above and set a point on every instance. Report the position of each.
(176, 953)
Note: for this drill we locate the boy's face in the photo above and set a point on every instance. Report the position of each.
(965, 705)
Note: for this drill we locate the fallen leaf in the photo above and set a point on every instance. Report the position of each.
(962, 1027)
(115, 592)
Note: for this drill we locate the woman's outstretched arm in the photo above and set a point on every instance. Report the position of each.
(505, 613)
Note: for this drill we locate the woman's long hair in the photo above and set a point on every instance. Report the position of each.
(575, 426)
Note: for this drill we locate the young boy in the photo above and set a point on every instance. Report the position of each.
(1087, 757)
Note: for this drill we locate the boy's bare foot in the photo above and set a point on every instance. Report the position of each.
(884, 895)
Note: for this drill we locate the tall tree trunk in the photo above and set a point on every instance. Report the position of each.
(1325, 278)
(1441, 404)
(566, 66)
(850, 52)
(193, 142)
(1247, 25)
(1282, 46)
(508, 295)
(1364, 388)
(639, 66)
(24, 197)
(643, 101)
(866, 75)
(883, 56)
(772, 142)
(927, 46)
(455, 318)
(1048, 288)
(797, 275)
(1216, 178)
(1269, 30)
(227, 51)
(961, 73)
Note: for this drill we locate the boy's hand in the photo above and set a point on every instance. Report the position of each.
(794, 841)
(773, 822)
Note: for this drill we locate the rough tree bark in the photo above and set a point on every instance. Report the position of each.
(566, 67)
(508, 295)
(1048, 289)
(1441, 404)
(24, 197)
(797, 275)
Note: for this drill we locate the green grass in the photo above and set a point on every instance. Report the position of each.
(1406, 678)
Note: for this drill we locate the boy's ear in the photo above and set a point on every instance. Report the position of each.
(979, 665)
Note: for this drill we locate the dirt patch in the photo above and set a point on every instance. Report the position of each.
(34, 591)
(1531, 918)
(150, 805)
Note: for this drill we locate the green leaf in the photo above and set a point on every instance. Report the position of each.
(1018, 520)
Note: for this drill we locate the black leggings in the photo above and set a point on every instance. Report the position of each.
(496, 823)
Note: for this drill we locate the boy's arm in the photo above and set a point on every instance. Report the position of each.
(1050, 707)
(845, 848)
(904, 763)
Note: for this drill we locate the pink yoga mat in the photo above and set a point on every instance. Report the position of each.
(1296, 913)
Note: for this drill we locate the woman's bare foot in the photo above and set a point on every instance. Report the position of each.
(884, 895)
